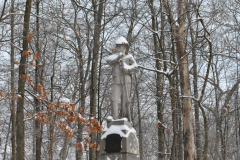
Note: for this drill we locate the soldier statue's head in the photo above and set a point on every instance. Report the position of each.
(121, 44)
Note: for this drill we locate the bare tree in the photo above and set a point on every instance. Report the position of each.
(98, 11)
(13, 115)
(21, 84)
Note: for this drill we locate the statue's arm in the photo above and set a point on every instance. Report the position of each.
(132, 67)
(112, 59)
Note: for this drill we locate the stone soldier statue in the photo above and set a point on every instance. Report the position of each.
(123, 68)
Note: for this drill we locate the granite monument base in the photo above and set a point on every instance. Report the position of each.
(119, 141)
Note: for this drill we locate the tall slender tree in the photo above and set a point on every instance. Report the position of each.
(21, 84)
(13, 115)
(188, 132)
(195, 85)
(38, 128)
(160, 106)
(98, 11)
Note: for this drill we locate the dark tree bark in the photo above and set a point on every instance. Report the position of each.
(21, 85)
(38, 128)
(174, 118)
(83, 77)
(81, 93)
(53, 117)
(98, 10)
(160, 107)
(6, 144)
(139, 119)
(64, 151)
(13, 115)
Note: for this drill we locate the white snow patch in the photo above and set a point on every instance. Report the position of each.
(121, 40)
(117, 129)
(110, 159)
(130, 67)
(125, 119)
(64, 100)
(112, 57)
(177, 24)
(109, 118)
(80, 116)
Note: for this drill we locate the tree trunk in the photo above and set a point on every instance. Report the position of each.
(139, 120)
(82, 96)
(180, 128)
(13, 115)
(5, 148)
(195, 84)
(189, 146)
(21, 85)
(53, 116)
(64, 150)
(93, 88)
(38, 129)
(174, 119)
(160, 107)
(218, 136)
(175, 83)
(178, 108)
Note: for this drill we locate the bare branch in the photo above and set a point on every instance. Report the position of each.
(80, 6)
(154, 70)
(20, 49)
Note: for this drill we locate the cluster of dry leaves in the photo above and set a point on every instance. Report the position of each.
(65, 112)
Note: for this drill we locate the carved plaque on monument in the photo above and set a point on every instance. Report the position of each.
(113, 143)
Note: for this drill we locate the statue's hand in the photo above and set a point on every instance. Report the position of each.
(120, 55)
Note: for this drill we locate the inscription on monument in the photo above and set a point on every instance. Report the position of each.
(113, 143)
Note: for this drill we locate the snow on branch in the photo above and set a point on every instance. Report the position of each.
(200, 104)
(154, 70)
(20, 49)
(162, 60)
(9, 14)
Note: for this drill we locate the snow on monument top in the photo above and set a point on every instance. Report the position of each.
(121, 40)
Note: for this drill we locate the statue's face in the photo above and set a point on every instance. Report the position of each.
(121, 48)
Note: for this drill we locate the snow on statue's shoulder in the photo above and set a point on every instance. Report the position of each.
(112, 57)
(121, 40)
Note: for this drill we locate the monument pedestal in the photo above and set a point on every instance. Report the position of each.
(119, 141)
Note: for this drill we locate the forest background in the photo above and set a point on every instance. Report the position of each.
(55, 85)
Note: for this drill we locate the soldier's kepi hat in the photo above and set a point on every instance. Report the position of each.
(121, 40)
